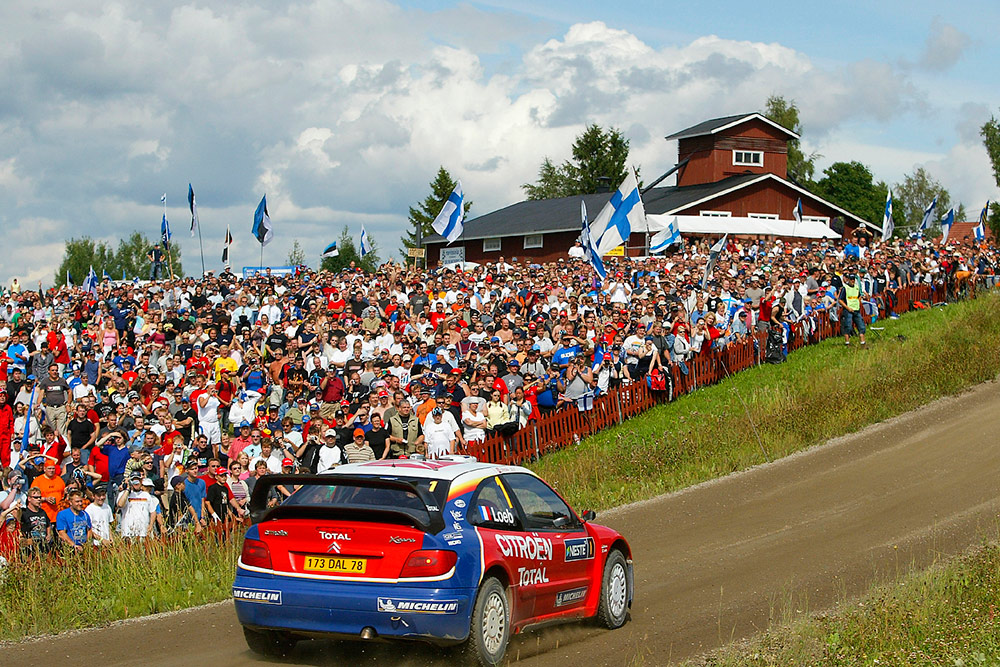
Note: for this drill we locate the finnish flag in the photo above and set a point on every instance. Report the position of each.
(925, 224)
(665, 238)
(946, 223)
(887, 225)
(620, 216)
(448, 222)
(980, 229)
(713, 255)
(262, 223)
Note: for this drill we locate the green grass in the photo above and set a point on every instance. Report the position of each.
(946, 615)
(48, 595)
(823, 391)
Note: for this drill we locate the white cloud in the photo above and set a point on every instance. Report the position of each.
(944, 47)
(342, 111)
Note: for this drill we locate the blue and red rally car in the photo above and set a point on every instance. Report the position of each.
(448, 552)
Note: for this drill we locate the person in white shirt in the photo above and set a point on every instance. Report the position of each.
(440, 435)
(330, 454)
(101, 516)
(208, 415)
(138, 508)
(84, 388)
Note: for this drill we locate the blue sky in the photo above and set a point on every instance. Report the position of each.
(342, 110)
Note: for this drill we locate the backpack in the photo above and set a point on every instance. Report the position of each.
(660, 381)
(774, 352)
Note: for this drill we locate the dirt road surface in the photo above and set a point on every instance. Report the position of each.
(713, 563)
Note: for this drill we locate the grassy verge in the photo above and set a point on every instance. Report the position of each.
(946, 615)
(823, 391)
(42, 596)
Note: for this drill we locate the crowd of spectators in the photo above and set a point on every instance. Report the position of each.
(155, 406)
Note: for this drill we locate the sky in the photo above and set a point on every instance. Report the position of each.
(341, 111)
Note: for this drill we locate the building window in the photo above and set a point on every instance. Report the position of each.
(491, 245)
(763, 216)
(532, 241)
(748, 158)
(716, 214)
(817, 218)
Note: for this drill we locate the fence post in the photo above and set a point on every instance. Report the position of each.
(618, 405)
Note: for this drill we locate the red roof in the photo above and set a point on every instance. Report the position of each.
(960, 230)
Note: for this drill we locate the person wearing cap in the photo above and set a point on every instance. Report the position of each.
(358, 451)
(219, 499)
(101, 516)
(330, 455)
(441, 436)
(137, 507)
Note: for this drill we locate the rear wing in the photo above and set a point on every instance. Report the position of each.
(261, 511)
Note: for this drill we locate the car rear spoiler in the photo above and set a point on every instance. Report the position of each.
(259, 510)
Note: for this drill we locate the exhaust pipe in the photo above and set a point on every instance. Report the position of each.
(368, 633)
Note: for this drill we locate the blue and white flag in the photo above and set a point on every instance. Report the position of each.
(713, 255)
(331, 250)
(946, 223)
(620, 216)
(262, 223)
(193, 205)
(589, 248)
(887, 225)
(163, 198)
(925, 224)
(165, 232)
(665, 238)
(90, 282)
(69, 279)
(366, 243)
(448, 222)
(980, 229)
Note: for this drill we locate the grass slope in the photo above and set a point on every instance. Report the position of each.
(823, 391)
(946, 615)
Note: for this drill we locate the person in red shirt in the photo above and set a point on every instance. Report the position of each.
(128, 374)
(198, 361)
(57, 346)
(336, 304)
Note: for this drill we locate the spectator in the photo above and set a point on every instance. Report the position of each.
(73, 524)
(440, 435)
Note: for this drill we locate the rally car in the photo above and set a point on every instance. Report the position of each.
(452, 552)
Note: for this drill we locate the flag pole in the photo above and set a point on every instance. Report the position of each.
(202, 249)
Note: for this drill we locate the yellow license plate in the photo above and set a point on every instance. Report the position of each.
(336, 564)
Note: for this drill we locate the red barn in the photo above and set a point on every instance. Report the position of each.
(732, 178)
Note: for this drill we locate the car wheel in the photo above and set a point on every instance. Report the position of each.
(615, 592)
(490, 627)
(268, 642)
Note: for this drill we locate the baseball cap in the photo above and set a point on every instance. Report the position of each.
(287, 463)
(148, 482)
(329, 432)
(359, 431)
(436, 411)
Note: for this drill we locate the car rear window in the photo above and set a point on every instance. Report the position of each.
(348, 495)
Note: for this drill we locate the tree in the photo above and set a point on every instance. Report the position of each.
(424, 213)
(913, 195)
(348, 256)
(800, 167)
(600, 158)
(296, 256)
(129, 259)
(851, 186)
(991, 139)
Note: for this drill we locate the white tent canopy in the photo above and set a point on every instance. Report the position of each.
(704, 224)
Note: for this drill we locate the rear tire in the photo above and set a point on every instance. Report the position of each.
(269, 643)
(490, 626)
(616, 592)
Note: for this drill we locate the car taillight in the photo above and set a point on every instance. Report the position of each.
(256, 554)
(428, 563)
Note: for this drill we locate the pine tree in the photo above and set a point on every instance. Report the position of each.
(600, 159)
(424, 213)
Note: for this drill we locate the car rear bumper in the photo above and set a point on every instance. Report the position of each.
(320, 608)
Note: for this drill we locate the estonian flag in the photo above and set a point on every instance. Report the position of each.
(331, 250)
(225, 246)
(165, 232)
(193, 205)
(262, 223)
(713, 255)
(366, 243)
